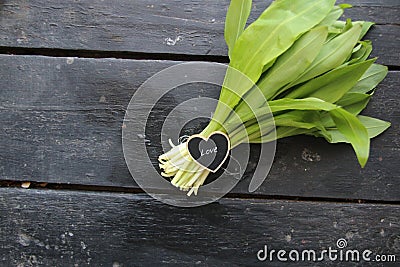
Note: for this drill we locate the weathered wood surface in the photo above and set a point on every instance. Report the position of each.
(61, 123)
(49, 228)
(148, 26)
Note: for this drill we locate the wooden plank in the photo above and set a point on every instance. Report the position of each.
(175, 27)
(61, 122)
(101, 229)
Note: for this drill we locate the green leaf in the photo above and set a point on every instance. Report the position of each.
(343, 26)
(366, 25)
(281, 132)
(269, 65)
(300, 104)
(346, 123)
(275, 31)
(293, 62)
(345, 6)
(370, 79)
(374, 128)
(334, 15)
(298, 118)
(362, 53)
(351, 98)
(332, 85)
(306, 120)
(354, 102)
(286, 68)
(236, 18)
(356, 49)
(277, 28)
(313, 117)
(354, 131)
(294, 123)
(332, 55)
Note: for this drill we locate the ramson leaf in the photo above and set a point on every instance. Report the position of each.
(362, 53)
(332, 54)
(286, 68)
(236, 18)
(300, 104)
(293, 62)
(342, 26)
(334, 84)
(346, 123)
(354, 131)
(334, 15)
(275, 31)
(354, 102)
(374, 128)
(370, 79)
(344, 6)
(366, 25)
(277, 28)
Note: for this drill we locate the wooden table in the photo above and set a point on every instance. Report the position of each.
(68, 70)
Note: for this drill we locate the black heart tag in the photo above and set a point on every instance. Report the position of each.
(210, 152)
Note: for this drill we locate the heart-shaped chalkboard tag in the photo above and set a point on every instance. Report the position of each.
(211, 152)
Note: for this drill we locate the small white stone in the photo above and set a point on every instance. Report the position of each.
(26, 185)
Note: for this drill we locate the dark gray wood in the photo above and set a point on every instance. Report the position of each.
(63, 228)
(61, 122)
(146, 26)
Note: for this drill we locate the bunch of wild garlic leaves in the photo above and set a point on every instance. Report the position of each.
(313, 71)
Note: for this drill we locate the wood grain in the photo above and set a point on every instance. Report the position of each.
(44, 227)
(61, 120)
(147, 26)
(61, 123)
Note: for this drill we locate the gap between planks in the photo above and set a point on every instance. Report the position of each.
(57, 52)
(97, 54)
(116, 189)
